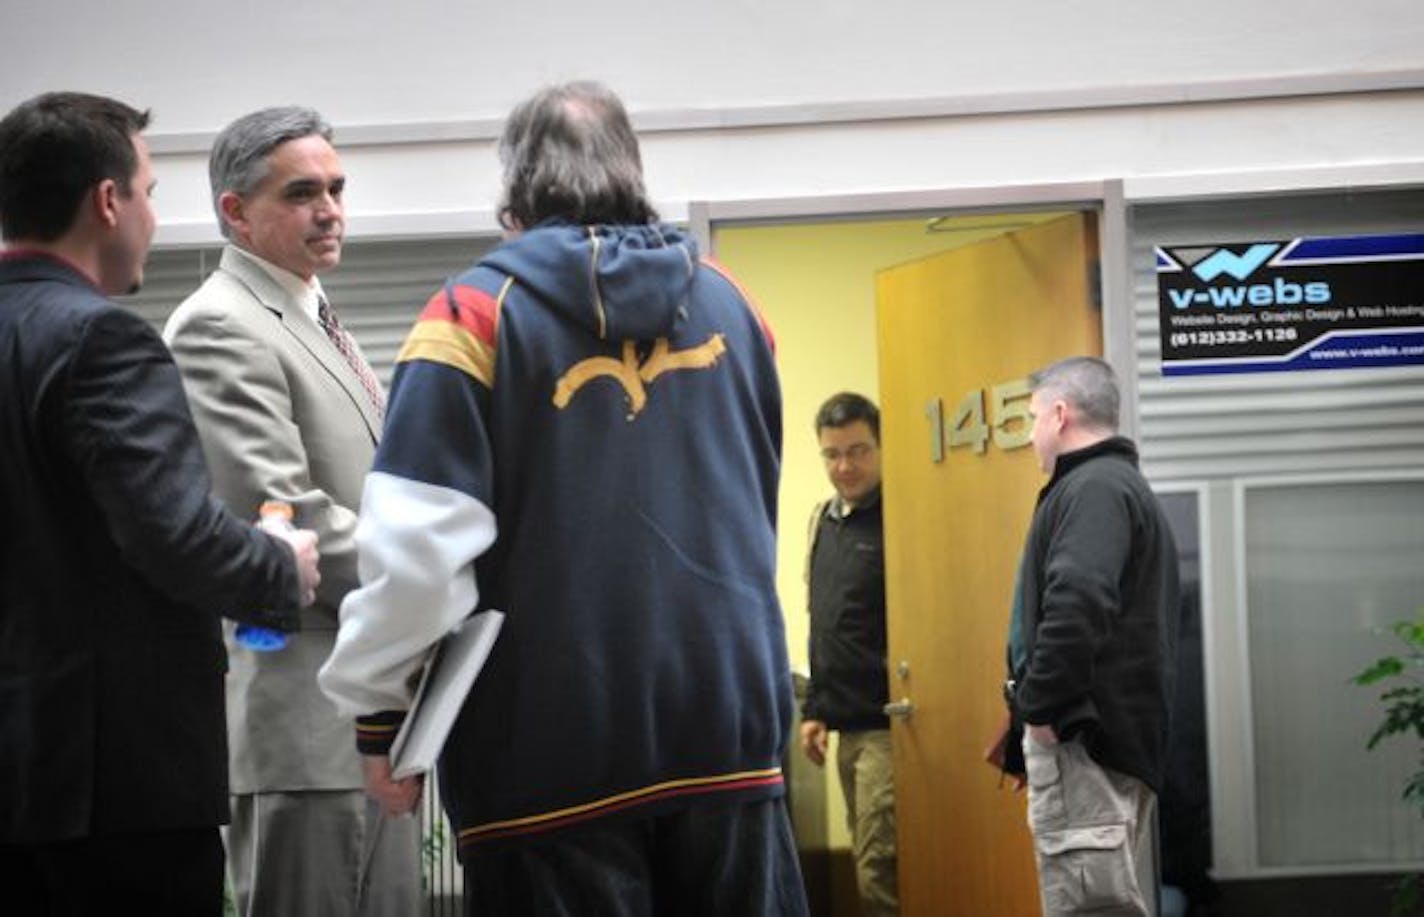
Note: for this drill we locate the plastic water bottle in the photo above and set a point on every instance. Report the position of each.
(274, 514)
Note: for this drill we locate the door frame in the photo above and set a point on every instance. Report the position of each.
(1105, 198)
(1088, 197)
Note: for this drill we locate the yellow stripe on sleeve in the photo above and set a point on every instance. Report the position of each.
(449, 344)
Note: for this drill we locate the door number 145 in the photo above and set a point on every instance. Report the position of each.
(1009, 421)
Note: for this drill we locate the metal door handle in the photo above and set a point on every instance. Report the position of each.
(901, 707)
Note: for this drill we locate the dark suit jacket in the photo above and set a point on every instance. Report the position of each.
(115, 562)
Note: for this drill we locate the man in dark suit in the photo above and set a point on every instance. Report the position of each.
(116, 560)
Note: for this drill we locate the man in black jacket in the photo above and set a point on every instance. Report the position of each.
(849, 686)
(116, 560)
(1094, 650)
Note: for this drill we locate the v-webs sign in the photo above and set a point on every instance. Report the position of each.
(1308, 303)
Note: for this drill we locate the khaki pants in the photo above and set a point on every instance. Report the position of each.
(1093, 834)
(868, 779)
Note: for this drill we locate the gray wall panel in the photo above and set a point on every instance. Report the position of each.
(1271, 423)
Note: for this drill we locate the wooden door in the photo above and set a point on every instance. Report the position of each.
(959, 333)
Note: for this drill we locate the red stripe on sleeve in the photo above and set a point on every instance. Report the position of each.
(474, 310)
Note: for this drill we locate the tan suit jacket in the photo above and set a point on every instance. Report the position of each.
(281, 416)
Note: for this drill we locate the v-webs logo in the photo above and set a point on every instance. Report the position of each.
(1280, 292)
(1239, 266)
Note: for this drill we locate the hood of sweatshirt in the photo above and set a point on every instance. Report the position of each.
(620, 282)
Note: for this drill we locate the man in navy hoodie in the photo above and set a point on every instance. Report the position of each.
(584, 432)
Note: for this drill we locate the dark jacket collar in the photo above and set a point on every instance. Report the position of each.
(837, 509)
(1114, 445)
(33, 264)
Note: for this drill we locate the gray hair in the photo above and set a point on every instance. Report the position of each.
(238, 162)
(569, 152)
(1087, 383)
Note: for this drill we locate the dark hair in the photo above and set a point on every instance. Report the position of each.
(846, 408)
(238, 161)
(1087, 383)
(570, 153)
(53, 150)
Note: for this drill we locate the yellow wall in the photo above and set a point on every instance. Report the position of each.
(816, 284)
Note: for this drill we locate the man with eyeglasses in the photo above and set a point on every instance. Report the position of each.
(849, 687)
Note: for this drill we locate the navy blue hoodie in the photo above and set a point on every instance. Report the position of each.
(612, 402)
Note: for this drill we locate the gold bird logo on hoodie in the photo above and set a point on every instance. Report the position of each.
(633, 376)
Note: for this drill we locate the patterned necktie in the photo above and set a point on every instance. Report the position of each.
(347, 347)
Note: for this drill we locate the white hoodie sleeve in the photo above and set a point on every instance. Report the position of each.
(417, 544)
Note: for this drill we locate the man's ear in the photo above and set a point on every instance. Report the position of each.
(1062, 413)
(234, 212)
(105, 200)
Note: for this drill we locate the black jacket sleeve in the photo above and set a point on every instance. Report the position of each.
(1090, 540)
(131, 435)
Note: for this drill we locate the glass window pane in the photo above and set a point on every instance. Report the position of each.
(1328, 565)
(1184, 806)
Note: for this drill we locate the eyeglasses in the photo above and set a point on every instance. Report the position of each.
(854, 454)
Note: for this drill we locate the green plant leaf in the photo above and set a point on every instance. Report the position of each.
(1403, 713)
(1386, 667)
(1401, 716)
(1411, 632)
(1406, 897)
(1414, 791)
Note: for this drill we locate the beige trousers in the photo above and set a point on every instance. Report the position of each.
(1093, 834)
(868, 779)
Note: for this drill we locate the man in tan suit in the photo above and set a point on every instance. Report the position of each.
(288, 410)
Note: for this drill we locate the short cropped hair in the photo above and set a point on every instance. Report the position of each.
(238, 162)
(53, 149)
(570, 153)
(846, 408)
(1087, 383)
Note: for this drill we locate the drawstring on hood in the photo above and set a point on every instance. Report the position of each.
(620, 282)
